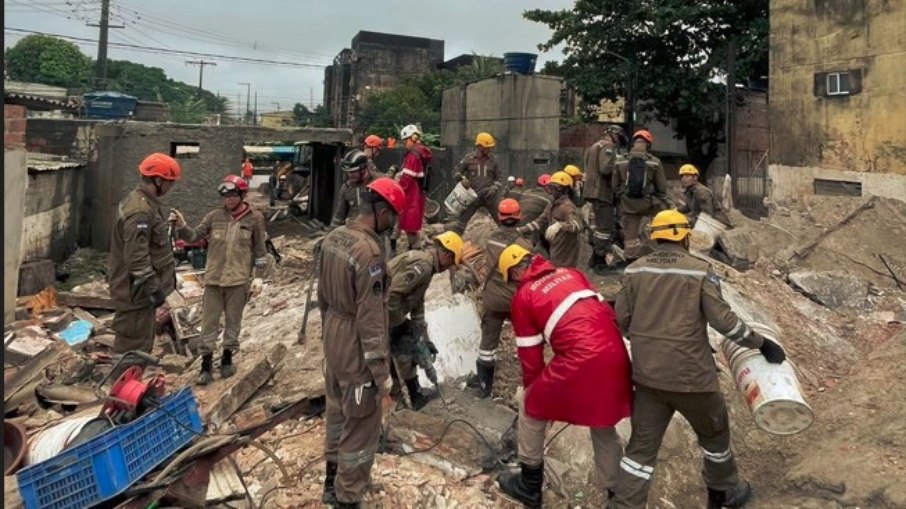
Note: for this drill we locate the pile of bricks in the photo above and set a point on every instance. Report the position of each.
(13, 126)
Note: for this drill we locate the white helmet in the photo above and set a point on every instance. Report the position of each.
(409, 130)
(511, 179)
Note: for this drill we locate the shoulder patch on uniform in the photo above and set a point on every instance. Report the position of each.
(376, 270)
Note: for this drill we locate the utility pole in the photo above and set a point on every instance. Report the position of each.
(255, 118)
(248, 91)
(730, 118)
(101, 71)
(238, 102)
(200, 64)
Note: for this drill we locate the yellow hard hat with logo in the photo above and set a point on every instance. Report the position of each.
(452, 242)
(573, 171)
(562, 178)
(510, 257)
(688, 169)
(670, 225)
(485, 140)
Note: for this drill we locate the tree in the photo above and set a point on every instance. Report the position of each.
(673, 51)
(306, 117)
(48, 60)
(301, 114)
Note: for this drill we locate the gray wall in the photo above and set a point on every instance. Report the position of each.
(52, 226)
(15, 180)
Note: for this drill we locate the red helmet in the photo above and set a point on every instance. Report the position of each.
(544, 180)
(160, 165)
(508, 209)
(645, 135)
(232, 183)
(373, 140)
(519, 182)
(390, 191)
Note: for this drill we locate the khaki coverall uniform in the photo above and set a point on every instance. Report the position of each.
(497, 294)
(668, 299)
(235, 248)
(564, 249)
(634, 210)
(700, 199)
(349, 200)
(140, 263)
(410, 275)
(483, 174)
(533, 203)
(352, 296)
(600, 160)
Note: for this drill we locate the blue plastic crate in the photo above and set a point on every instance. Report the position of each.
(106, 465)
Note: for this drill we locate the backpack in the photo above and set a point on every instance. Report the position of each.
(637, 178)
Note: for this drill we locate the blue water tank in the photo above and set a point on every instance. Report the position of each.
(520, 63)
(109, 105)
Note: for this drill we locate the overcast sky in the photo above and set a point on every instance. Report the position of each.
(302, 31)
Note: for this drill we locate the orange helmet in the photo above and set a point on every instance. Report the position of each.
(390, 191)
(645, 135)
(373, 140)
(233, 183)
(160, 165)
(544, 180)
(519, 182)
(508, 209)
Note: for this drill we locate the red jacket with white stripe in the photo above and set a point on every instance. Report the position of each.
(588, 381)
(412, 174)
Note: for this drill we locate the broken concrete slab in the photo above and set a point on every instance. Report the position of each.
(455, 328)
(835, 289)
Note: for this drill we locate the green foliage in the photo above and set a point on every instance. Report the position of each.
(48, 60)
(674, 48)
(152, 84)
(303, 116)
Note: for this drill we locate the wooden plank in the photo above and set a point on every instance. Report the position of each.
(81, 314)
(242, 387)
(84, 300)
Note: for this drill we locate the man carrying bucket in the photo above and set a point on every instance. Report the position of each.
(668, 299)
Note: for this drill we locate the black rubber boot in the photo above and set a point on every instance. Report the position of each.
(227, 369)
(330, 493)
(483, 379)
(524, 486)
(416, 397)
(207, 365)
(349, 505)
(733, 498)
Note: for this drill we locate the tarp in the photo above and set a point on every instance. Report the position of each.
(269, 149)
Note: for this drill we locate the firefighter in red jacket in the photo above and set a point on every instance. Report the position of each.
(414, 166)
(586, 383)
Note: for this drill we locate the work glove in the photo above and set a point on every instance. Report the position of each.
(256, 287)
(432, 348)
(176, 217)
(158, 298)
(772, 352)
(552, 231)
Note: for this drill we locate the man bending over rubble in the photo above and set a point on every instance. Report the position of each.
(236, 236)
(352, 293)
(587, 383)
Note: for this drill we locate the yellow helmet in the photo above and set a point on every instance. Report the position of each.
(688, 169)
(510, 257)
(485, 140)
(573, 171)
(670, 225)
(452, 242)
(562, 178)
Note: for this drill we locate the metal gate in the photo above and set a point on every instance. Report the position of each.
(749, 172)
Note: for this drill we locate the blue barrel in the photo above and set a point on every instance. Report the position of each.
(520, 63)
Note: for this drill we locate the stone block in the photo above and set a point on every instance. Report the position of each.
(836, 289)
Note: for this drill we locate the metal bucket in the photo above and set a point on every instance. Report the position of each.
(705, 234)
(771, 391)
(432, 208)
(458, 199)
(50, 442)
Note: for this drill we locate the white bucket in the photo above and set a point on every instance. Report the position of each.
(771, 391)
(705, 234)
(458, 199)
(50, 442)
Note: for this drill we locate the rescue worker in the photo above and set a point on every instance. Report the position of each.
(357, 168)
(578, 196)
(352, 298)
(496, 296)
(532, 204)
(372, 149)
(236, 260)
(413, 172)
(699, 198)
(560, 224)
(247, 170)
(586, 383)
(641, 186)
(478, 170)
(141, 267)
(516, 190)
(410, 275)
(668, 300)
(600, 161)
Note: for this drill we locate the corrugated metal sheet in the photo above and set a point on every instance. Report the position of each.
(224, 484)
(36, 161)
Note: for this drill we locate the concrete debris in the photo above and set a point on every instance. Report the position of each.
(835, 289)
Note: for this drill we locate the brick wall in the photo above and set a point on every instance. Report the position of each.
(13, 126)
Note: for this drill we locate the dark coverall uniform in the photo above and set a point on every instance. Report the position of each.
(533, 203)
(482, 173)
(600, 160)
(235, 249)
(352, 295)
(140, 264)
(668, 299)
(634, 210)
(410, 275)
(349, 200)
(564, 249)
(700, 199)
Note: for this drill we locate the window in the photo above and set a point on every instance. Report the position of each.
(838, 83)
(828, 187)
(184, 149)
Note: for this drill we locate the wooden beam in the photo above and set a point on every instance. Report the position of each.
(84, 300)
